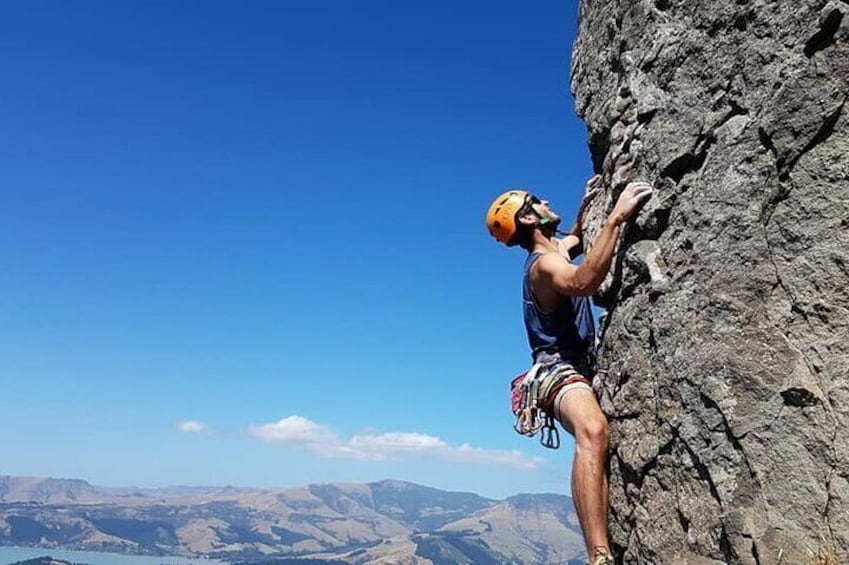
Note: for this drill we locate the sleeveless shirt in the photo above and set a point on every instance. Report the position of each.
(568, 331)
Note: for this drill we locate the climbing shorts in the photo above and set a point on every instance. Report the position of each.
(558, 380)
(536, 393)
(580, 383)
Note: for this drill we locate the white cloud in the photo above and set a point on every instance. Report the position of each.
(324, 442)
(504, 457)
(397, 441)
(192, 427)
(294, 429)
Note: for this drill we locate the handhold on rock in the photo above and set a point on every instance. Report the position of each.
(645, 255)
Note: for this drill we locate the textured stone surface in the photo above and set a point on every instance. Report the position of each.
(725, 351)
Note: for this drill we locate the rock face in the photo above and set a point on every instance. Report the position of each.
(725, 350)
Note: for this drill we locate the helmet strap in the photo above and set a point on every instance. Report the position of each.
(541, 222)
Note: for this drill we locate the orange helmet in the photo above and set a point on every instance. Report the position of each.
(501, 217)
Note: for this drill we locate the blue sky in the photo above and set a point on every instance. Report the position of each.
(243, 243)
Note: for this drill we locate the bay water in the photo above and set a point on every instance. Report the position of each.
(10, 554)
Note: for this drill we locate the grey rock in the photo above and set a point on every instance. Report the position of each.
(725, 347)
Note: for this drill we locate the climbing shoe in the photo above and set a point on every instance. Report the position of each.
(601, 557)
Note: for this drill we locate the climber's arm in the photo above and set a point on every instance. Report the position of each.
(572, 245)
(586, 278)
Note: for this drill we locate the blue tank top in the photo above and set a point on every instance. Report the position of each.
(568, 331)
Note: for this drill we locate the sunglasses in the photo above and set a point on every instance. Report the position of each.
(530, 201)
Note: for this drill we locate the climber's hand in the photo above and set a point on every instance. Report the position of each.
(634, 194)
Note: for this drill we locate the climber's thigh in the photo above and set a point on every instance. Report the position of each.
(577, 409)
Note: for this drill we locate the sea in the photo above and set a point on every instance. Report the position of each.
(10, 554)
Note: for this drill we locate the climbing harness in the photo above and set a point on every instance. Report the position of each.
(524, 398)
(532, 395)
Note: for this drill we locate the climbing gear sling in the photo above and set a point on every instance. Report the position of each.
(533, 394)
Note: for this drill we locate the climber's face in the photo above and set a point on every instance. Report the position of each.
(541, 211)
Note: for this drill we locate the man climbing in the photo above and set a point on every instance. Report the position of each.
(561, 333)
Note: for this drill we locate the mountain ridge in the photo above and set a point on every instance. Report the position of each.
(387, 521)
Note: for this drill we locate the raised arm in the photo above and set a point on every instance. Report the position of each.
(585, 279)
(572, 244)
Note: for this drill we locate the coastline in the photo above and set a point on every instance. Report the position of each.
(11, 554)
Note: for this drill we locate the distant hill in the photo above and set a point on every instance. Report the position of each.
(36, 489)
(46, 560)
(386, 522)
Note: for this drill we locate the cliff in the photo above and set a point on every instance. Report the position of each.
(725, 350)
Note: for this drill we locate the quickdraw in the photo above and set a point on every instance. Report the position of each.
(541, 381)
(525, 396)
(530, 417)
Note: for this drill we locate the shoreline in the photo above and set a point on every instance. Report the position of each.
(13, 553)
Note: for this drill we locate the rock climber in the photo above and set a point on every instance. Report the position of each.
(561, 333)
